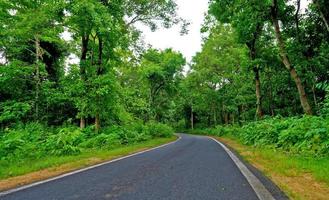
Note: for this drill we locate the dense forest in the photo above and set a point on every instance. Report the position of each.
(262, 74)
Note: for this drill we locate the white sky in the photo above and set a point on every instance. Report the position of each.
(192, 11)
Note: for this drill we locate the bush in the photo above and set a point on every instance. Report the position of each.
(159, 130)
(102, 141)
(21, 142)
(307, 135)
(66, 142)
(34, 140)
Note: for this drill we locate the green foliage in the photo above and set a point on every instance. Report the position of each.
(13, 111)
(159, 130)
(33, 140)
(102, 141)
(325, 104)
(306, 135)
(65, 142)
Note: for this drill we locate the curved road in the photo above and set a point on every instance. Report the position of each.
(194, 167)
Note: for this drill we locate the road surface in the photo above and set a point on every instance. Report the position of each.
(194, 167)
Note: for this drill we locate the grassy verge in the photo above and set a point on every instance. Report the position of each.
(28, 171)
(299, 177)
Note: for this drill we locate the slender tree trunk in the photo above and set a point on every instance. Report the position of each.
(325, 21)
(226, 118)
(239, 115)
(192, 118)
(297, 19)
(99, 72)
(271, 98)
(37, 76)
(314, 96)
(284, 56)
(215, 115)
(83, 58)
(82, 123)
(97, 123)
(259, 110)
(252, 51)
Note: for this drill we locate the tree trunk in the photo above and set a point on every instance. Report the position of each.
(82, 123)
(271, 98)
(259, 110)
(226, 118)
(314, 96)
(284, 56)
(215, 117)
(297, 19)
(252, 51)
(239, 114)
(99, 72)
(325, 21)
(97, 123)
(83, 58)
(192, 118)
(37, 76)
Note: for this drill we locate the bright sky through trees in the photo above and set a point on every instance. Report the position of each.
(170, 38)
(191, 43)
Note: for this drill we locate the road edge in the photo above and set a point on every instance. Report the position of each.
(259, 188)
(10, 191)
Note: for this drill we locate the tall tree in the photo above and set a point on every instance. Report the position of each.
(249, 26)
(285, 59)
(245, 11)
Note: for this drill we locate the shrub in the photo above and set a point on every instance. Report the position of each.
(22, 142)
(65, 142)
(159, 130)
(34, 140)
(308, 135)
(102, 141)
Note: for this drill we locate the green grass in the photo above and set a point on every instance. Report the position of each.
(74, 162)
(290, 164)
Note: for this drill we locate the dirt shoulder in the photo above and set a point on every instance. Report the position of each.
(295, 184)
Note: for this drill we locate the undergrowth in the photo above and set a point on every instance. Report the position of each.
(34, 141)
(308, 135)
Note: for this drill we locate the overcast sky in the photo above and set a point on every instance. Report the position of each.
(193, 11)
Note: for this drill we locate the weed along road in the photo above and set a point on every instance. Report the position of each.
(193, 167)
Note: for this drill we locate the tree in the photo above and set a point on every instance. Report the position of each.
(27, 38)
(260, 13)
(249, 26)
(220, 75)
(160, 71)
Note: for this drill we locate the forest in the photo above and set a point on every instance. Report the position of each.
(261, 76)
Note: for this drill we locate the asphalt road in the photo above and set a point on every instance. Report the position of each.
(192, 168)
